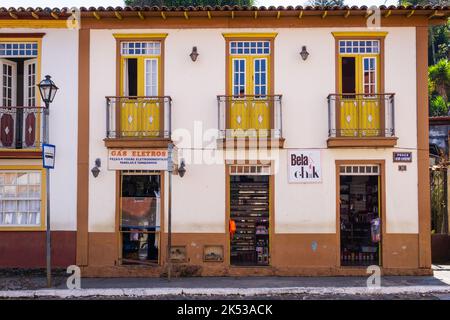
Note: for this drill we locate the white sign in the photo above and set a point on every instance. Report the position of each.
(48, 156)
(137, 159)
(304, 166)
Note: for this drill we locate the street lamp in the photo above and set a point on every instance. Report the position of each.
(47, 89)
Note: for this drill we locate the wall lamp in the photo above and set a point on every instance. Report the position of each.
(182, 169)
(96, 170)
(304, 53)
(194, 54)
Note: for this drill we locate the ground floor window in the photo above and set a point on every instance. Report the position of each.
(20, 198)
(140, 210)
(360, 226)
(249, 216)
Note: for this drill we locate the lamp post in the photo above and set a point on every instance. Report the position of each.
(47, 89)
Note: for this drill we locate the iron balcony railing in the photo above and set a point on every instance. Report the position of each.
(361, 116)
(23, 127)
(249, 116)
(143, 117)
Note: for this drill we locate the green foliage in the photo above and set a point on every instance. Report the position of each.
(186, 3)
(438, 106)
(439, 87)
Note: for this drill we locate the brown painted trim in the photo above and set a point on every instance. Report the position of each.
(83, 148)
(246, 20)
(423, 148)
(136, 143)
(22, 35)
(382, 186)
(10, 154)
(351, 142)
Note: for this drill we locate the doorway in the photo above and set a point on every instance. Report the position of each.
(249, 219)
(140, 212)
(360, 217)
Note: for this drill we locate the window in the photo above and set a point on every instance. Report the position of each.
(369, 80)
(238, 77)
(359, 46)
(249, 47)
(20, 198)
(141, 48)
(260, 77)
(19, 49)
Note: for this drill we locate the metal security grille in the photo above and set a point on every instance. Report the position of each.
(360, 170)
(249, 170)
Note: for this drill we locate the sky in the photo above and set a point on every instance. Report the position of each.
(115, 3)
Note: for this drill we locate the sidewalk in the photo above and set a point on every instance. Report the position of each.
(438, 285)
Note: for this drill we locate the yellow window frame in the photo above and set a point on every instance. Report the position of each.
(43, 220)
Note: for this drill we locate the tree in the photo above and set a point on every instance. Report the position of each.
(323, 3)
(186, 3)
(439, 75)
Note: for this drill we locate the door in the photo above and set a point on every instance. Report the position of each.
(31, 117)
(359, 105)
(249, 216)
(360, 215)
(140, 210)
(8, 92)
(141, 108)
(249, 109)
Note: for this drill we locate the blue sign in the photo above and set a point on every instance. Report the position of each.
(48, 156)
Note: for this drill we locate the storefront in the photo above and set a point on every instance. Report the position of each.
(360, 224)
(140, 217)
(249, 215)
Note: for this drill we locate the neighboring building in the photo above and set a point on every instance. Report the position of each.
(304, 135)
(30, 48)
(440, 214)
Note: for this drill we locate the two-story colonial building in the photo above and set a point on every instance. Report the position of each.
(301, 138)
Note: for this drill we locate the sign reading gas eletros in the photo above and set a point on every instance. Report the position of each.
(137, 159)
(304, 166)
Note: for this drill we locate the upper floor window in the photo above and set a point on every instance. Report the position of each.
(141, 48)
(359, 46)
(250, 47)
(19, 49)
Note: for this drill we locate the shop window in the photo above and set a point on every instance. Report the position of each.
(20, 198)
(360, 224)
(140, 218)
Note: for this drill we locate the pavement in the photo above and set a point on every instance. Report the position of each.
(391, 287)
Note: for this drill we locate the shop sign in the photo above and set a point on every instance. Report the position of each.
(402, 156)
(304, 166)
(137, 159)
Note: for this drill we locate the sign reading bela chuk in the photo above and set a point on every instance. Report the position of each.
(304, 166)
(137, 159)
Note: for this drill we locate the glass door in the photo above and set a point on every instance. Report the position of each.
(140, 213)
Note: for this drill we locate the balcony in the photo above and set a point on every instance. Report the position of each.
(22, 129)
(138, 121)
(358, 120)
(250, 121)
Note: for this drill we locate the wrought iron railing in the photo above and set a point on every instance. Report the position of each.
(361, 116)
(22, 127)
(138, 117)
(249, 116)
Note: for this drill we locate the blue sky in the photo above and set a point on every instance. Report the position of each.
(115, 3)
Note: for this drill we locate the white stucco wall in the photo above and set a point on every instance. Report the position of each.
(60, 60)
(199, 197)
